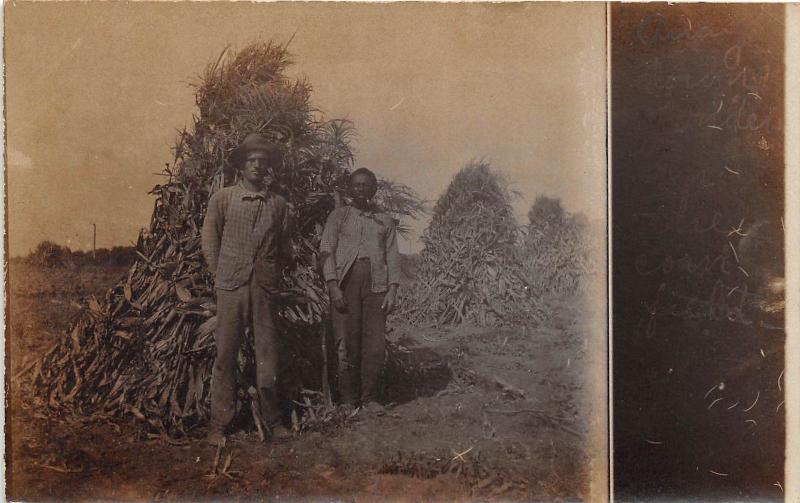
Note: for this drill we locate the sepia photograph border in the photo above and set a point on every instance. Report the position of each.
(792, 253)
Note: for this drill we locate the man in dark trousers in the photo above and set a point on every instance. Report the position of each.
(245, 241)
(361, 265)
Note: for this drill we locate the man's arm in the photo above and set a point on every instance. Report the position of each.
(392, 266)
(211, 235)
(287, 229)
(392, 253)
(327, 247)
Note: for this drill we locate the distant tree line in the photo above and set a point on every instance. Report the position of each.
(51, 255)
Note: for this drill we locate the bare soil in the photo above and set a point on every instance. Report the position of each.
(453, 435)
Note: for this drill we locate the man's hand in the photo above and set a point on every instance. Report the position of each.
(337, 299)
(390, 300)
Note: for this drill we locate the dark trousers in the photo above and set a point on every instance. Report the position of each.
(359, 337)
(236, 309)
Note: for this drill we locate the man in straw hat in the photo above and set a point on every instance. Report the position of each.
(245, 241)
(361, 265)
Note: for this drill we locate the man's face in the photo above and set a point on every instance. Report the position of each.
(362, 187)
(256, 168)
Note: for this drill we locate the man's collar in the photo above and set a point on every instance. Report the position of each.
(371, 208)
(247, 193)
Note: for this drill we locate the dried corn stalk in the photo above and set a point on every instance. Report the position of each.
(559, 250)
(147, 349)
(468, 270)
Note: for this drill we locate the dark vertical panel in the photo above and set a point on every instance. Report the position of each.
(697, 200)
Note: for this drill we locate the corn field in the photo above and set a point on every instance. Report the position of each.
(479, 266)
(146, 350)
(469, 270)
(558, 250)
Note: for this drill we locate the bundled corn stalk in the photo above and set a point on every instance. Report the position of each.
(558, 249)
(468, 270)
(148, 348)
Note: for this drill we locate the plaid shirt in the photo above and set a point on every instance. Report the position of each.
(243, 232)
(351, 233)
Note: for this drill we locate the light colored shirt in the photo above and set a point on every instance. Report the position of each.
(351, 233)
(243, 232)
(363, 249)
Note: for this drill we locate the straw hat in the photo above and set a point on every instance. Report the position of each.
(254, 142)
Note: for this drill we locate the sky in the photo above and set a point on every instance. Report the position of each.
(95, 93)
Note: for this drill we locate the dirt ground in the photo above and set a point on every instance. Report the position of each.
(505, 414)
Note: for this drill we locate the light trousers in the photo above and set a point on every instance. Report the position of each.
(248, 305)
